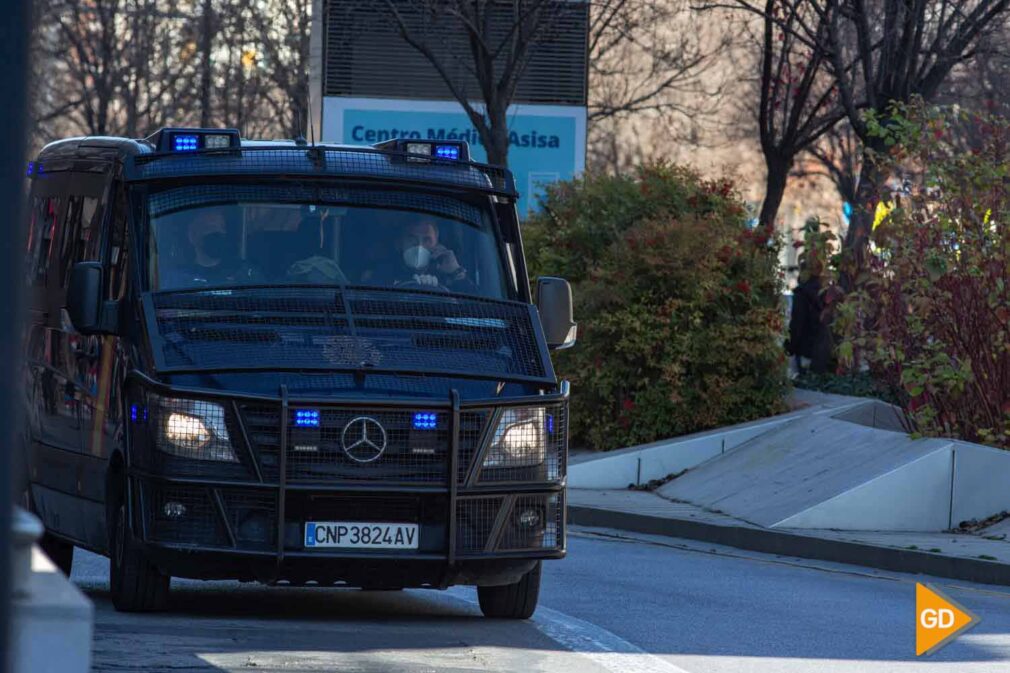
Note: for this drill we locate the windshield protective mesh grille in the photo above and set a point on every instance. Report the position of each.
(351, 329)
(172, 200)
(347, 162)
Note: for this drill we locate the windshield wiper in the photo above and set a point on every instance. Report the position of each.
(342, 298)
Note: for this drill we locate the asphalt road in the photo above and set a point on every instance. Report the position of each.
(628, 605)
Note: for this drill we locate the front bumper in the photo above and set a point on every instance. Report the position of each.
(246, 520)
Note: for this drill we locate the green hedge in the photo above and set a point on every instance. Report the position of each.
(678, 304)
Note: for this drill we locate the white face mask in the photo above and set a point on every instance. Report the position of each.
(416, 257)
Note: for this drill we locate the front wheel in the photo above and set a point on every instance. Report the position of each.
(512, 601)
(136, 584)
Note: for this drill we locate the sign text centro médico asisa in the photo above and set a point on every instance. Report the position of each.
(546, 142)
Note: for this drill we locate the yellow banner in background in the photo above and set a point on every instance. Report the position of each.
(883, 210)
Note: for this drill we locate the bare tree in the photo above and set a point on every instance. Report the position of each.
(905, 50)
(797, 102)
(648, 56)
(980, 87)
(111, 67)
(500, 39)
(283, 28)
(92, 36)
(879, 54)
(131, 66)
(837, 157)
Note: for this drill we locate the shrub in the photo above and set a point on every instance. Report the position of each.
(930, 316)
(855, 384)
(678, 304)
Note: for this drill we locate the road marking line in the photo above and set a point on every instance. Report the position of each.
(603, 647)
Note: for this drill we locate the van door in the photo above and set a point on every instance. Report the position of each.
(52, 423)
(102, 416)
(65, 370)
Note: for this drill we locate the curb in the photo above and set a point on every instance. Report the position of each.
(793, 544)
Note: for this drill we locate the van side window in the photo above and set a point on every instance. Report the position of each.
(45, 215)
(116, 278)
(82, 234)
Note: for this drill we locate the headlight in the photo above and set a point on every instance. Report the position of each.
(520, 439)
(195, 429)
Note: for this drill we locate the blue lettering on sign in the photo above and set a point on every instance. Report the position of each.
(542, 147)
(310, 535)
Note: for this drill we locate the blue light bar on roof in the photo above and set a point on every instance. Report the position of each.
(306, 418)
(451, 150)
(175, 139)
(447, 152)
(185, 142)
(425, 420)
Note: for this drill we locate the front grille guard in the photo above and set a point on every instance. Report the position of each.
(459, 477)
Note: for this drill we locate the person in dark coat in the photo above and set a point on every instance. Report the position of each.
(809, 335)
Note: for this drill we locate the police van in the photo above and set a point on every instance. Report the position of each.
(291, 363)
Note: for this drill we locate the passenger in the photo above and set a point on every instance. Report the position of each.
(316, 267)
(422, 261)
(216, 257)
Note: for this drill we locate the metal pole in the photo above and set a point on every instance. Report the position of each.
(206, 43)
(15, 30)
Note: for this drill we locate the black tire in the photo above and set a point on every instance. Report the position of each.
(136, 584)
(512, 601)
(59, 551)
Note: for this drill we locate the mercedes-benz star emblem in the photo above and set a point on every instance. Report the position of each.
(363, 439)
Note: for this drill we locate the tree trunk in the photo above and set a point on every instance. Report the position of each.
(498, 148)
(775, 188)
(206, 41)
(857, 238)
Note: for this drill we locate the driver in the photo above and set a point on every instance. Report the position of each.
(215, 259)
(423, 261)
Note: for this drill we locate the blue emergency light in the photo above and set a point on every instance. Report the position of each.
(185, 142)
(451, 150)
(192, 140)
(447, 152)
(425, 420)
(306, 418)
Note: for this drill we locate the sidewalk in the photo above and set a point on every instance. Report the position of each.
(953, 555)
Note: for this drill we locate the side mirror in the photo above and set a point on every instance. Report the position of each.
(87, 311)
(554, 301)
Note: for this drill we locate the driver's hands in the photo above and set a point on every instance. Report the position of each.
(445, 259)
(426, 279)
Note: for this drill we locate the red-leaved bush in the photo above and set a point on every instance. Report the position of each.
(930, 315)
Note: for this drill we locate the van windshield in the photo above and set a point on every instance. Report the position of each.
(205, 236)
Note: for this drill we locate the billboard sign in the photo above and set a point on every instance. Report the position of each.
(547, 142)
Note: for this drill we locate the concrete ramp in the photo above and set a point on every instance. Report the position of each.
(823, 472)
(840, 463)
(874, 414)
(639, 464)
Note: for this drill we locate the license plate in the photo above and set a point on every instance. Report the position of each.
(360, 535)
